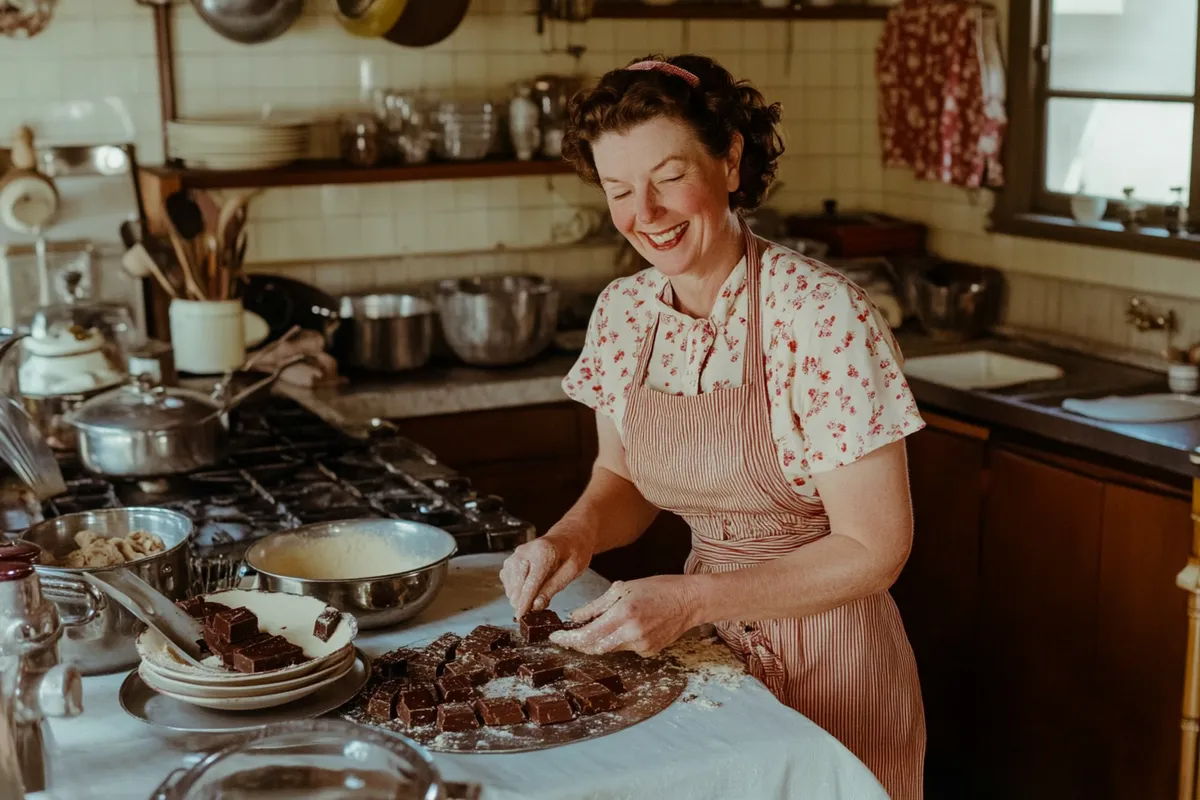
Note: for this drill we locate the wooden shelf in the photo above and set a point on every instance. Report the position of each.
(315, 173)
(685, 10)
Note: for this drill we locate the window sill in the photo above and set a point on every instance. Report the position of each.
(1101, 234)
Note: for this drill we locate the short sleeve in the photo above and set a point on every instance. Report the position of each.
(587, 382)
(849, 396)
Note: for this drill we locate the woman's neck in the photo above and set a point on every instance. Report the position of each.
(696, 290)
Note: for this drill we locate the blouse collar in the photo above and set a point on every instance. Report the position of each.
(664, 299)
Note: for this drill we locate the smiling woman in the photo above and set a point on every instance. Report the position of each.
(757, 394)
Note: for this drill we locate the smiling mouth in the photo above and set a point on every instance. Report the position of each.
(665, 240)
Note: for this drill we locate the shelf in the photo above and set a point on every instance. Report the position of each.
(316, 173)
(685, 10)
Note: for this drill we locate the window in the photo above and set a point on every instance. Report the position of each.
(1111, 103)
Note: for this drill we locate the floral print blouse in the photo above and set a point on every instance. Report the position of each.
(832, 365)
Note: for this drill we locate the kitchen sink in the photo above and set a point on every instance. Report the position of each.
(1138, 408)
(979, 369)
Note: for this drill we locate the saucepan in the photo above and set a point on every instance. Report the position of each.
(143, 430)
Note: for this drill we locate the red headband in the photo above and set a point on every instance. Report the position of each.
(670, 69)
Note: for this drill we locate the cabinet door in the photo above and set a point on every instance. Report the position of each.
(1141, 642)
(1040, 562)
(937, 594)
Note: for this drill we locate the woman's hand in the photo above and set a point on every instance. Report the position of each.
(538, 570)
(644, 616)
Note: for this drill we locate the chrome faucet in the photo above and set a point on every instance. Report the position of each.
(33, 685)
(1140, 315)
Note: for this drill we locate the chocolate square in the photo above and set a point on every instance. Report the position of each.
(542, 672)
(455, 688)
(211, 609)
(485, 638)
(548, 709)
(444, 647)
(193, 607)
(417, 705)
(592, 698)
(275, 653)
(424, 667)
(393, 664)
(234, 625)
(536, 626)
(382, 705)
(418, 696)
(454, 717)
(501, 663)
(326, 623)
(413, 717)
(596, 673)
(470, 669)
(499, 711)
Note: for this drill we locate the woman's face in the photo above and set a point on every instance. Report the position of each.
(667, 194)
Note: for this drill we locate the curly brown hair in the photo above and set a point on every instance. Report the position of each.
(715, 109)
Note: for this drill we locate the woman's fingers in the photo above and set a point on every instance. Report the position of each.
(512, 575)
(600, 604)
(561, 577)
(595, 637)
(543, 559)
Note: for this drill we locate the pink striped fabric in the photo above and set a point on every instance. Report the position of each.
(711, 459)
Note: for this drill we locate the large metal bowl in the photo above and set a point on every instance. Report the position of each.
(499, 320)
(956, 302)
(388, 332)
(107, 643)
(375, 601)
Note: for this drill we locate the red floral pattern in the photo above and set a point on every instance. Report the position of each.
(942, 93)
(832, 365)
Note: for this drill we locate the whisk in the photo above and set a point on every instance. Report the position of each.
(24, 449)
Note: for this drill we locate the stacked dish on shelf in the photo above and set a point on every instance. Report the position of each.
(238, 142)
(287, 615)
(468, 129)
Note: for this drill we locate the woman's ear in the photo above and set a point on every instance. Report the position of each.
(733, 163)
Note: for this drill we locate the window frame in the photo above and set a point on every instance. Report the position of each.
(1024, 207)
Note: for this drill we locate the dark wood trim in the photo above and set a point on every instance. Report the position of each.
(628, 10)
(316, 173)
(1021, 143)
(1104, 234)
(1132, 97)
(164, 54)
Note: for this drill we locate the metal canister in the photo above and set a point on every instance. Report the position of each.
(153, 358)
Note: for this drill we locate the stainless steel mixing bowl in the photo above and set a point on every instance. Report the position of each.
(375, 600)
(388, 332)
(956, 302)
(498, 320)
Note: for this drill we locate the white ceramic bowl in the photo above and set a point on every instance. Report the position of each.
(164, 682)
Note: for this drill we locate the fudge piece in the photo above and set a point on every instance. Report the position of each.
(501, 663)
(485, 638)
(542, 672)
(424, 666)
(499, 711)
(382, 704)
(592, 698)
(536, 626)
(224, 650)
(234, 625)
(455, 688)
(193, 607)
(444, 646)
(455, 717)
(596, 673)
(275, 653)
(211, 609)
(326, 623)
(472, 670)
(393, 664)
(417, 705)
(548, 709)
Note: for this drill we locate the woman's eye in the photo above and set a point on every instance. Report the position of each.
(619, 196)
(671, 180)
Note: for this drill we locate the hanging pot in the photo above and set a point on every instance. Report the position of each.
(427, 22)
(369, 18)
(249, 21)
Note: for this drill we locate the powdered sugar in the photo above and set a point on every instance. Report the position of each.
(708, 664)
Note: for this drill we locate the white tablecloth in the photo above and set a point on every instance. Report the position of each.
(744, 744)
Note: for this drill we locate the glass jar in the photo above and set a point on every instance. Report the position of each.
(359, 139)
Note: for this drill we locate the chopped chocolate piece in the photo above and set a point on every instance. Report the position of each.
(536, 626)
(454, 717)
(596, 673)
(234, 625)
(499, 711)
(592, 698)
(455, 688)
(485, 638)
(424, 667)
(417, 706)
(211, 609)
(501, 663)
(444, 646)
(382, 705)
(327, 623)
(539, 673)
(393, 664)
(472, 670)
(205, 651)
(225, 650)
(548, 709)
(274, 653)
(193, 607)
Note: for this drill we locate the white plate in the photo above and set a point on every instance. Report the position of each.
(288, 615)
(254, 702)
(159, 680)
(255, 328)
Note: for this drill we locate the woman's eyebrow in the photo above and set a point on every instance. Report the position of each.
(655, 168)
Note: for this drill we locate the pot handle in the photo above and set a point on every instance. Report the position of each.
(61, 588)
(241, 396)
(166, 789)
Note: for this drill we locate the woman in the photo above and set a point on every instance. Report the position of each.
(757, 394)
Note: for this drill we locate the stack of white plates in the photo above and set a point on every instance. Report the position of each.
(238, 142)
(288, 615)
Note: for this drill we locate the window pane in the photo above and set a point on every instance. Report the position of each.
(1131, 46)
(1105, 145)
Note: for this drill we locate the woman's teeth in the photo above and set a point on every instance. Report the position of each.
(668, 238)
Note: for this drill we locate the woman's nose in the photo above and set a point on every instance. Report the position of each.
(648, 208)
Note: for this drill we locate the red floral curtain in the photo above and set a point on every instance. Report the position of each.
(942, 92)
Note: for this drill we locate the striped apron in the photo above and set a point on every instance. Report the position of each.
(711, 459)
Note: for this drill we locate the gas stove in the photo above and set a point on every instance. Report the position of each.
(286, 468)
